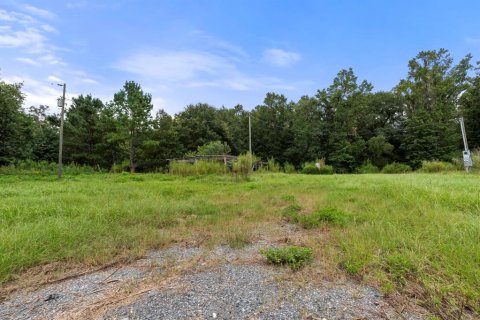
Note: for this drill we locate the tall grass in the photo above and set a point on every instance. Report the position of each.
(200, 167)
(243, 167)
(44, 168)
(415, 233)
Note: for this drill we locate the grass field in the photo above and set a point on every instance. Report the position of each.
(418, 234)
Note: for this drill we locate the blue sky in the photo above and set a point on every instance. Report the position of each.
(222, 52)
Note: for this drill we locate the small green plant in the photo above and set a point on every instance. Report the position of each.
(238, 240)
(396, 167)
(368, 167)
(289, 168)
(437, 166)
(273, 165)
(325, 216)
(326, 169)
(293, 256)
(399, 267)
(310, 168)
(288, 198)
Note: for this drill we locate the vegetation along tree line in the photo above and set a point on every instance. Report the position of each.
(347, 124)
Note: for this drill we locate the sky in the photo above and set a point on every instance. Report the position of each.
(221, 52)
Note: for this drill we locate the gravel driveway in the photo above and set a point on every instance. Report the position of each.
(190, 283)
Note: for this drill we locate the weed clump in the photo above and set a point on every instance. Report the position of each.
(396, 167)
(368, 167)
(293, 256)
(325, 216)
(437, 166)
(399, 266)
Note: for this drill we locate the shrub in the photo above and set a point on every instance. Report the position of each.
(309, 168)
(396, 167)
(243, 167)
(293, 256)
(326, 169)
(272, 165)
(368, 167)
(437, 166)
(289, 168)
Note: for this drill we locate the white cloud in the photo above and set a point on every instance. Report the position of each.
(27, 38)
(54, 79)
(281, 58)
(173, 65)
(27, 61)
(28, 34)
(42, 13)
(89, 81)
(36, 92)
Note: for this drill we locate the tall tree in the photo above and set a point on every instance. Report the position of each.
(272, 131)
(162, 143)
(198, 124)
(83, 134)
(132, 110)
(44, 129)
(430, 93)
(470, 104)
(341, 105)
(11, 119)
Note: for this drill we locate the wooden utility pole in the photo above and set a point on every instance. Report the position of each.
(60, 146)
(250, 134)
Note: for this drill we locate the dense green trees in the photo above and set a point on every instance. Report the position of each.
(347, 123)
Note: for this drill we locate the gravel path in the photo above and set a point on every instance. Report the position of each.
(189, 283)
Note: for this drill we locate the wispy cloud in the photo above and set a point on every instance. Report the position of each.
(42, 13)
(27, 61)
(29, 34)
(281, 58)
(194, 69)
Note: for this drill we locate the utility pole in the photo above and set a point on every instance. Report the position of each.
(467, 158)
(61, 103)
(250, 134)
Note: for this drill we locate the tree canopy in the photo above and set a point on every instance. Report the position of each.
(347, 123)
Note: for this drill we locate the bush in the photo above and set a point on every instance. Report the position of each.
(326, 169)
(289, 168)
(437, 166)
(396, 167)
(293, 256)
(243, 167)
(272, 165)
(368, 167)
(309, 168)
(199, 167)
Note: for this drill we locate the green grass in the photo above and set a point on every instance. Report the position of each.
(294, 257)
(414, 233)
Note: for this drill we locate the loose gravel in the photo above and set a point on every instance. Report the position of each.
(232, 288)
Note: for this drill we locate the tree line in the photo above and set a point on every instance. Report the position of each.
(347, 124)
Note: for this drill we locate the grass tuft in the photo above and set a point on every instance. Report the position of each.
(293, 256)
